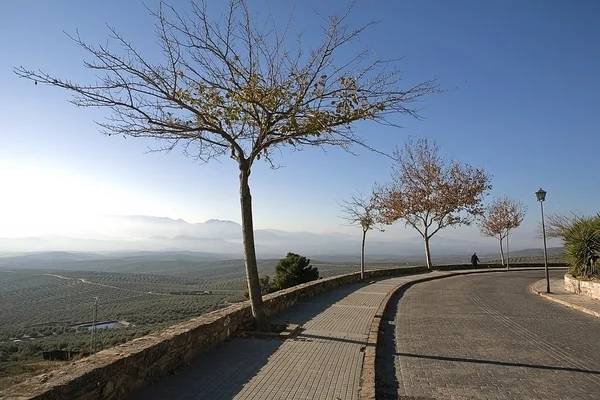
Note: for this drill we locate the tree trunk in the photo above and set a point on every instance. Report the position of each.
(507, 252)
(501, 253)
(249, 251)
(427, 252)
(362, 256)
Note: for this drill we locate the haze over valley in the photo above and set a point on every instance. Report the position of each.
(221, 239)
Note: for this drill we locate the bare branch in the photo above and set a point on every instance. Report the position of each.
(361, 211)
(501, 216)
(230, 85)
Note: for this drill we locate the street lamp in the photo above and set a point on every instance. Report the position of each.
(541, 197)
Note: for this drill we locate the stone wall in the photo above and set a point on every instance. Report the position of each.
(117, 372)
(455, 267)
(276, 302)
(586, 288)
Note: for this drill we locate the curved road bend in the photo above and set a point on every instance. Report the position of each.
(487, 336)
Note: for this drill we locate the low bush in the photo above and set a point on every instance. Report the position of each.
(582, 246)
(290, 271)
(293, 270)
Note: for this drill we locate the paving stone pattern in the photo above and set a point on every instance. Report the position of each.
(487, 336)
(322, 362)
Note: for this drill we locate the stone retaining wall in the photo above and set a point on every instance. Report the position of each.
(454, 267)
(117, 372)
(586, 288)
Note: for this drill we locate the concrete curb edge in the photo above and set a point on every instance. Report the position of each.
(564, 303)
(367, 375)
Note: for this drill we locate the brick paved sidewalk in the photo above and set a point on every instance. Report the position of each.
(322, 362)
(560, 295)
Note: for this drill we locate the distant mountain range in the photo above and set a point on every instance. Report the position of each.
(223, 239)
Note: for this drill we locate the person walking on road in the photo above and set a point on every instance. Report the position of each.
(474, 260)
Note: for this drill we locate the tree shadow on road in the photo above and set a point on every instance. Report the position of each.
(501, 363)
(222, 372)
(386, 381)
(307, 309)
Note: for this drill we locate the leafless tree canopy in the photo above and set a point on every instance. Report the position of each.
(361, 210)
(229, 86)
(501, 216)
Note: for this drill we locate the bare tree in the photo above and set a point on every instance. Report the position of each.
(430, 192)
(557, 224)
(235, 86)
(362, 211)
(501, 216)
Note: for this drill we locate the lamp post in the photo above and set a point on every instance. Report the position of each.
(541, 197)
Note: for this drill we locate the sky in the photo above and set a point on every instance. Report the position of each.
(521, 102)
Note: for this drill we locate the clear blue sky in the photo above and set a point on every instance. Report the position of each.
(525, 107)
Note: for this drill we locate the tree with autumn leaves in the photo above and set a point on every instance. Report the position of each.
(502, 215)
(233, 85)
(430, 192)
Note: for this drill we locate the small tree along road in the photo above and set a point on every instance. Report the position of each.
(362, 211)
(500, 218)
(232, 85)
(430, 192)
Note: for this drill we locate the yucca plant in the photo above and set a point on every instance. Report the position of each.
(582, 246)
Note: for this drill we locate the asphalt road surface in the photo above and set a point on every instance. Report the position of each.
(487, 336)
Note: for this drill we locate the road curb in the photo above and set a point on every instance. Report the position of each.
(368, 375)
(564, 303)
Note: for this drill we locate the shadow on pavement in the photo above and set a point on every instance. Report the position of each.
(222, 372)
(386, 382)
(219, 374)
(308, 309)
(304, 336)
(503, 363)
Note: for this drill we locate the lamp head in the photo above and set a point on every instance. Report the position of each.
(541, 195)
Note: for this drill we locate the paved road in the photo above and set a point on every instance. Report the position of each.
(487, 336)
